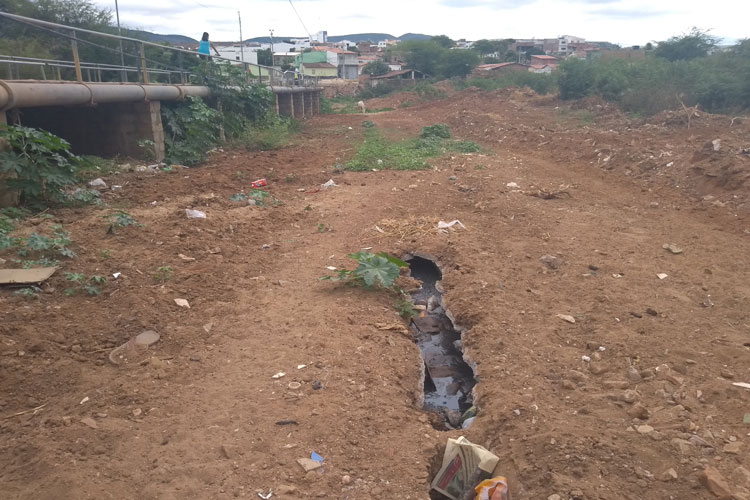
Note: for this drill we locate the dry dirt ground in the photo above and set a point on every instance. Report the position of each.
(197, 419)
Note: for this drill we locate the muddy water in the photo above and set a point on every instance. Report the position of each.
(449, 380)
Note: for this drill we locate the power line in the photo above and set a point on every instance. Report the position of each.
(301, 21)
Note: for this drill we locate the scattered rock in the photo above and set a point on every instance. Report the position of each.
(554, 497)
(309, 464)
(226, 452)
(699, 442)
(651, 312)
(630, 396)
(98, 183)
(598, 367)
(285, 489)
(668, 475)
(672, 248)
(638, 411)
(568, 384)
(712, 479)
(741, 476)
(567, 318)
(90, 422)
(551, 261)
(647, 375)
(616, 384)
(194, 214)
(577, 376)
(726, 373)
(346, 479)
(182, 303)
(644, 429)
(733, 448)
(633, 375)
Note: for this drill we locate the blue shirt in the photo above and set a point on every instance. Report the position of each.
(204, 47)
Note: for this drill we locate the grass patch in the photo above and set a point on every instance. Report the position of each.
(345, 106)
(275, 133)
(379, 153)
(540, 83)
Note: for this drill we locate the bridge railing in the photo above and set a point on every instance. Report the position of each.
(144, 71)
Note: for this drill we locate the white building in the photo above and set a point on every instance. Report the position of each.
(238, 53)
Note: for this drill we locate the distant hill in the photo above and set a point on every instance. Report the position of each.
(356, 37)
(157, 38)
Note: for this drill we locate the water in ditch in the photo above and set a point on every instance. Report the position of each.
(448, 380)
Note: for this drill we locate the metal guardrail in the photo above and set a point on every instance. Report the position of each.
(272, 76)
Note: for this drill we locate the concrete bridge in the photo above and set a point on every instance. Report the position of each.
(110, 118)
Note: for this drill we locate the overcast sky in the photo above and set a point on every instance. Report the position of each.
(627, 22)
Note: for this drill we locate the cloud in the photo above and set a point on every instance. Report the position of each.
(620, 13)
(493, 4)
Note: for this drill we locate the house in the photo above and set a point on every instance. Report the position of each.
(397, 78)
(549, 61)
(282, 58)
(236, 51)
(320, 70)
(347, 62)
(498, 68)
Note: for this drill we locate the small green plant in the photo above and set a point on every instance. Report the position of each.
(290, 178)
(440, 130)
(256, 197)
(163, 274)
(58, 243)
(81, 283)
(322, 228)
(149, 149)
(105, 253)
(377, 270)
(91, 167)
(38, 164)
(29, 292)
(120, 219)
(464, 147)
(368, 124)
(405, 308)
(308, 208)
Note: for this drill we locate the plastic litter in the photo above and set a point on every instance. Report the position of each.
(279, 375)
(512, 185)
(194, 214)
(259, 183)
(328, 184)
(493, 489)
(442, 225)
(744, 385)
(316, 457)
(266, 496)
(182, 303)
(465, 465)
(98, 183)
(662, 276)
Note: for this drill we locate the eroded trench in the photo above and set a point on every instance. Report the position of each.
(449, 378)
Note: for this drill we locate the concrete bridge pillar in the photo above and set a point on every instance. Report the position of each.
(309, 105)
(299, 105)
(286, 104)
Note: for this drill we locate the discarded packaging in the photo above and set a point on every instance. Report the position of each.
(134, 349)
(25, 276)
(493, 489)
(259, 183)
(512, 185)
(266, 496)
(744, 385)
(328, 184)
(309, 464)
(464, 465)
(194, 214)
(316, 457)
(447, 225)
(279, 375)
(662, 276)
(182, 303)
(294, 385)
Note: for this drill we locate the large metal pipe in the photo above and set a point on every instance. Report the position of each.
(37, 93)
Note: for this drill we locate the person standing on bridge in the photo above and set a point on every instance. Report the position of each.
(204, 47)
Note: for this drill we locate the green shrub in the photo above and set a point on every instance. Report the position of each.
(438, 130)
(39, 164)
(575, 79)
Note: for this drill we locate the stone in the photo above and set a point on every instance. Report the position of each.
(308, 464)
(647, 375)
(714, 482)
(668, 475)
(684, 447)
(226, 452)
(346, 479)
(616, 384)
(699, 442)
(551, 261)
(639, 411)
(567, 318)
(568, 384)
(644, 429)
(428, 324)
(598, 367)
(741, 476)
(733, 448)
(285, 489)
(577, 376)
(726, 373)
(90, 422)
(630, 396)
(633, 375)
(554, 497)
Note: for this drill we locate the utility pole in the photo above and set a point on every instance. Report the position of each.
(242, 40)
(123, 74)
(271, 31)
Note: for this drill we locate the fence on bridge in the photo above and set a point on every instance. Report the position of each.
(145, 68)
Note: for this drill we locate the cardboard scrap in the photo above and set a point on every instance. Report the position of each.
(25, 276)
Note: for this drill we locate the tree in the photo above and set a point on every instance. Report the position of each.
(576, 79)
(484, 47)
(534, 51)
(422, 55)
(265, 57)
(696, 43)
(443, 41)
(375, 68)
(457, 62)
